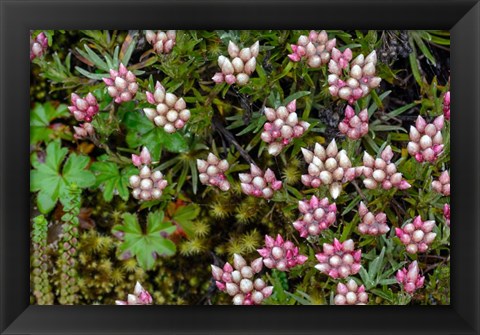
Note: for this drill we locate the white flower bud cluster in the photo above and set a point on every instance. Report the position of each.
(359, 79)
(148, 184)
(162, 41)
(318, 215)
(352, 125)
(328, 167)
(416, 236)
(212, 172)
(442, 185)
(315, 47)
(171, 112)
(239, 67)
(83, 131)
(339, 260)
(426, 140)
(238, 281)
(38, 46)
(122, 84)
(350, 294)
(282, 126)
(140, 296)
(372, 224)
(259, 184)
(382, 172)
(280, 254)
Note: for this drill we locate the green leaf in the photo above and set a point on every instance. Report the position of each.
(296, 95)
(74, 171)
(142, 132)
(146, 244)
(184, 216)
(109, 175)
(47, 180)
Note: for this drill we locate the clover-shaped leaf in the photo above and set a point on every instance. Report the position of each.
(114, 179)
(40, 118)
(52, 184)
(145, 244)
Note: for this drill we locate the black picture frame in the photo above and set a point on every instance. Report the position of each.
(17, 17)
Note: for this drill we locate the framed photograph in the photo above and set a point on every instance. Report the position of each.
(250, 170)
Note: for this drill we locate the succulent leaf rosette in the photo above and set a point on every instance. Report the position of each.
(280, 254)
(416, 235)
(354, 126)
(426, 140)
(122, 85)
(140, 296)
(212, 172)
(239, 282)
(314, 48)
(410, 278)
(38, 46)
(350, 294)
(353, 80)
(148, 184)
(318, 215)
(381, 172)
(171, 112)
(281, 127)
(339, 260)
(372, 224)
(328, 167)
(259, 184)
(240, 66)
(162, 41)
(442, 184)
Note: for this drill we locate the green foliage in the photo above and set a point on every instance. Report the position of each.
(112, 179)
(41, 117)
(148, 242)
(51, 183)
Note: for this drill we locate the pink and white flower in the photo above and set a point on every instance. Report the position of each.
(372, 224)
(350, 294)
(339, 260)
(426, 140)
(417, 235)
(352, 125)
(314, 48)
(122, 84)
(259, 184)
(410, 278)
(140, 296)
(280, 254)
(212, 172)
(281, 127)
(318, 215)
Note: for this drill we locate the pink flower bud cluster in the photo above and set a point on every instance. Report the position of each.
(417, 235)
(382, 172)
(282, 126)
(38, 46)
(339, 260)
(122, 84)
(281, 255)
(352, 125)
(352, 81)
(259, 184)
(148, 184)
(212, 172)
(410, 279)
(83, 109)
(241, 65)
(446, 105)
(162, 41)
(372, 224)
(315, 49)
(328, 167)
(140, 296)
(171, 112)
(446, 214)
(238, 281)
(83, 131)
(442, 185)
(318, 215)
(426, 140)
(350, 294)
